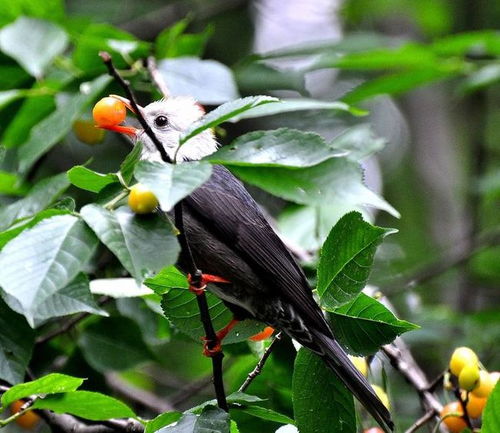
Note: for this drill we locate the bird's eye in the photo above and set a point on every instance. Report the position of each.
(161, 121)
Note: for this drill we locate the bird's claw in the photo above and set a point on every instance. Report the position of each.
(210, 352)
(201, 285)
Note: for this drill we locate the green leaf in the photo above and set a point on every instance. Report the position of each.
(144, 244)
(16, 344)
(211, 420)
(285, 147)
(491, 414)
(8, 96)
(173, 42)
(51, 384)
(41, 261)
(127, 167)
(395, 84)
(171, 183)
(321, 403)
(291, 105)
(167, 279)
(53, 128)
(364, 324)
(346, 259)
(113, 344)
(52, 10)
(40, 196)
(207, 81)
(85, 404)
(267, 414)
(33, 43)
(181, 308)
(24, 224)
(161, 421)
(359, 142)
(74, 298)
(224, 113)
(90, 180)
(11, 184)
(235, 398)
(336, 181)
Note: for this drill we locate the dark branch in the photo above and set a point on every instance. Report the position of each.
(179, 222)
(106, 58)
(260, 365)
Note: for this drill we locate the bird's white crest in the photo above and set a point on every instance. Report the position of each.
(180, 112)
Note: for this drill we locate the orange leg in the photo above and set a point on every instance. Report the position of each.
(205, 279)
(220, 335)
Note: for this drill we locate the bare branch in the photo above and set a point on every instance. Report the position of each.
(421, 421)
(260, 365)
(157, 77)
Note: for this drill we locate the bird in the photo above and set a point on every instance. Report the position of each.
(230, 237)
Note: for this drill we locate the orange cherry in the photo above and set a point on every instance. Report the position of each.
(109, 112)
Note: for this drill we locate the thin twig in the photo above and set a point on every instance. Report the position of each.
(421, 422)
(260, 365)
(196, 274)
(157, 77)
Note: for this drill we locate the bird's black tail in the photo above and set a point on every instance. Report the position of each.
(335, 357)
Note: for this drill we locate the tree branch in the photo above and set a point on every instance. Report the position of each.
(260, 365)
(421, 421)
(157, 77)
(196, 273)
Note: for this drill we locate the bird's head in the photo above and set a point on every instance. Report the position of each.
(169, 118)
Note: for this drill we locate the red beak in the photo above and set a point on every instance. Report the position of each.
(129, 130)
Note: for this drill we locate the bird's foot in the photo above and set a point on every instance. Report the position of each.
(198, 287)
(219, 336)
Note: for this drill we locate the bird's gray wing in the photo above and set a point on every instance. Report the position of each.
(230, 213)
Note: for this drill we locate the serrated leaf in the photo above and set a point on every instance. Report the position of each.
(144, 244)
(171, 183)
(336, 181)
(321, 403)
(85, 404)
(364, 324)
(42, 260)
(53, 128)
(224, 113)
(51, 384)
(346, 259)
(237, 397)
(74, 298)
(279, 147)
(267, 414)
(90, 180)
(166, 279)
(33, 43)
(208, 81)
(113, 344)
(359, 142)
(181, 308)
(491, 414)
(16, 344)
(127, 167)
(161, 421)
(211, 420)
(291, 105)
(40, 196)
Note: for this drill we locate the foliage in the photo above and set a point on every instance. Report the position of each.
(66, 235)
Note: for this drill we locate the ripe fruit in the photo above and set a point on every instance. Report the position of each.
(461, 357)
(382, 395)
(109, 111)
(141, 200)
(266, 333)
(485, 385)
(455, 423)
(374, 430)
(469, 377)
(360, 363)
(27, 421)
(86, 132)
(475, 405)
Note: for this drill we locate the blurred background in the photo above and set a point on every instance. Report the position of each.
(439, 166)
